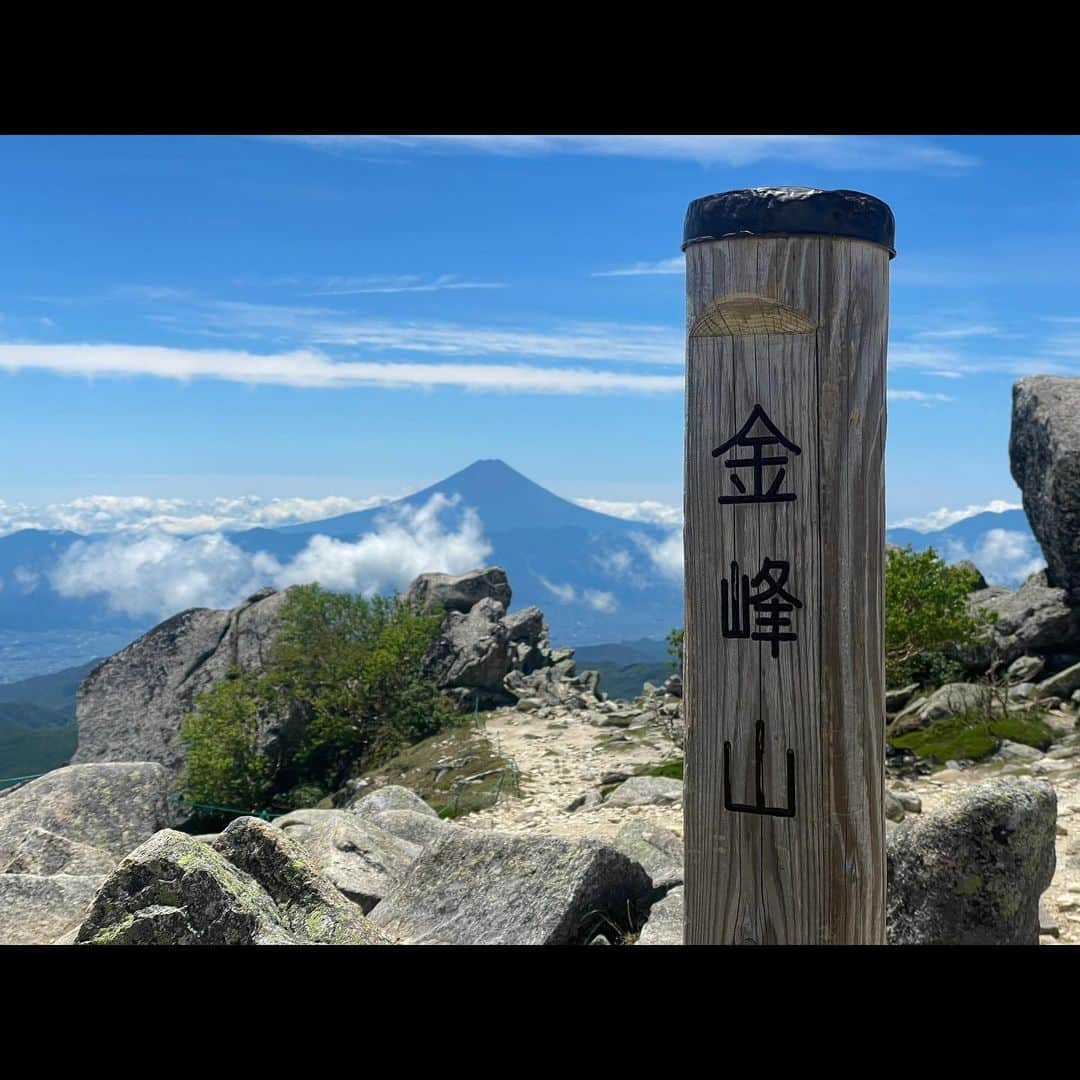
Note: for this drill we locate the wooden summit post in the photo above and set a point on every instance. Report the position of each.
(787, 314)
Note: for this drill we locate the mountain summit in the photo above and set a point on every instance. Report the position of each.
(503, 497)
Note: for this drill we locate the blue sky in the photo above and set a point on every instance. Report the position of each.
(201, 319)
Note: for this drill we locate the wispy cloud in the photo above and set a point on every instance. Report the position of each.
(399, 283)
(314, 370)
(604, 602)
(961, 332)
(829, 151)
(920, 396)
(176, 517)
(664, 266)
(944, 517)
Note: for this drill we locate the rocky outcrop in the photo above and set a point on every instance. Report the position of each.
(109, 807)
(252, 886)
(1034, 619)
(972, 872)
(130, 707)
(485, 657)
(46, 853)
(389, 797)
(476, 888)
(358, 857)
(1044, 452)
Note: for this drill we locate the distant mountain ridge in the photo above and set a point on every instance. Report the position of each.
(595, 576)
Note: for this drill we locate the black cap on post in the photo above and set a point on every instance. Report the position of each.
(790, 211)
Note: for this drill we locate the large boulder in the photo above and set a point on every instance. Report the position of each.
(360, 858)
(480, 888)
(949, 700)
(130, 707)
(37, 909)
(459, 592)
(1044, 452)
(251, 886)
(112, 807)
(1063, 685)
(972, 872)
(472, 650)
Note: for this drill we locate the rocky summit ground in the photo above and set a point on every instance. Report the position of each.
(563, 755)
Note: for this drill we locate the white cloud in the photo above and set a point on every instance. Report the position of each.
(944, 517)
(645, 510)
(603, 602)
(140, 513)
(666, 554)
(315, 370)
(155, 574)
(829, 151)
(676, 265)
(1005, 557)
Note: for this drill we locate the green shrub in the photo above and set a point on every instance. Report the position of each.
(675, 648)
(926, 609)
(342, 686)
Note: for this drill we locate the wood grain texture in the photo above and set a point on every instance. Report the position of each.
(819, 876)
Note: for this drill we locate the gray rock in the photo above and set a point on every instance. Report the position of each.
(950, 700)
(1063, 684)
(895, 700)
(614, 776)
(130, 707)
(460, 592)
(36, 909)
(1025, 668)
(1032, 619)
(44, 853)
(659, 852)
(253, 886)
(358, 857)
(113, 806)
(477, 888)
(1044, 453)
(472, 653)
(673, 685)
(894, 808)
(646, 791)
(972, 872)
(525, 626)
(422, 829)
(587, 801)
(911, 802)
(1047, 923)
(390, 797)
(1024, 691)
(979, 581)
(1014, 751)
(665, 922)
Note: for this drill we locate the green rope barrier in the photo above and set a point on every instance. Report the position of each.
(17, 779)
